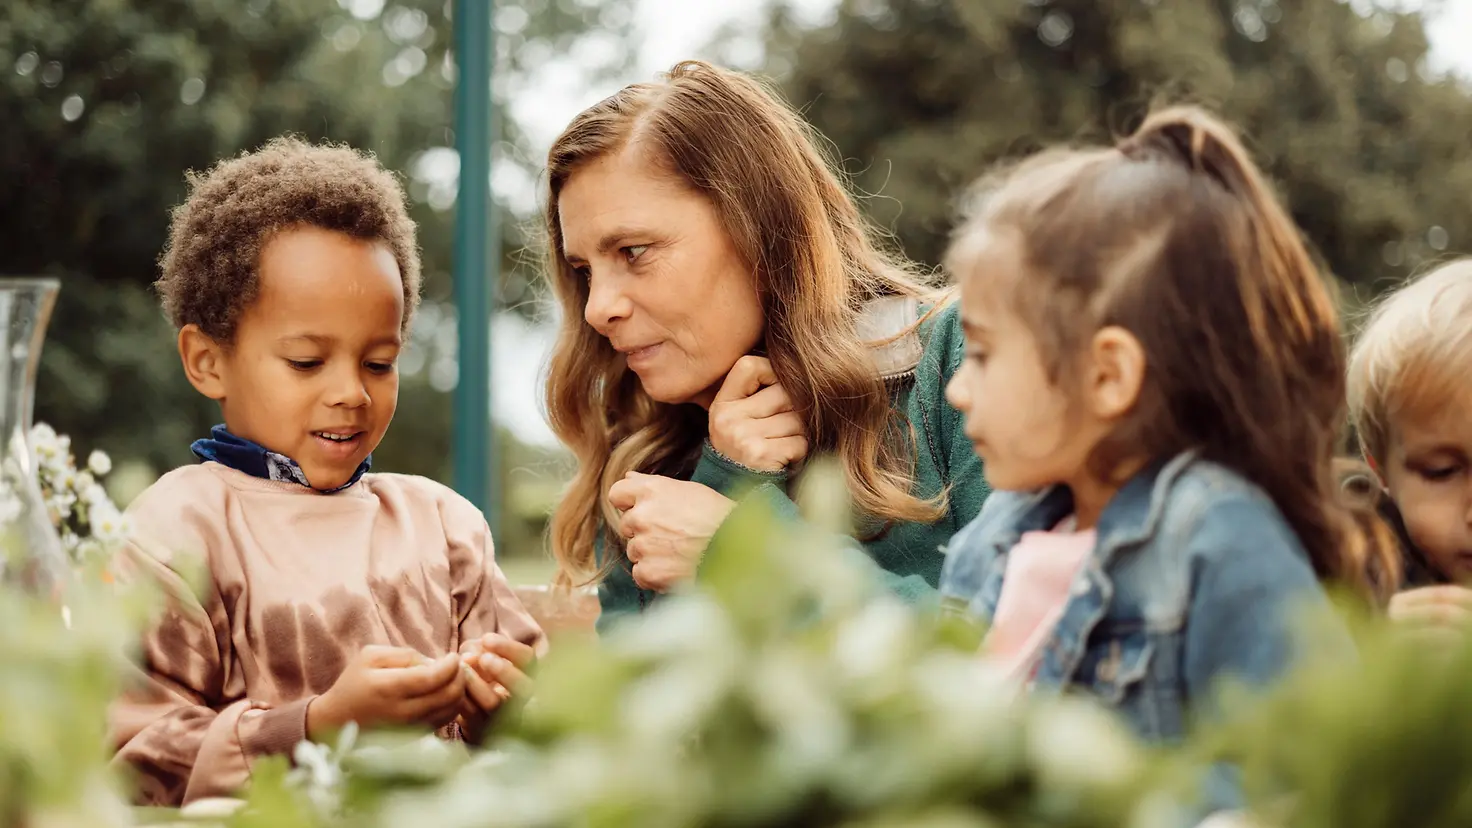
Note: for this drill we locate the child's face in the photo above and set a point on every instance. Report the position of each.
(311, 373)
(1019, 421)
(1429, 475)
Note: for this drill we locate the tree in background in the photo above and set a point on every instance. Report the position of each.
(1367, 144)
(105, 105)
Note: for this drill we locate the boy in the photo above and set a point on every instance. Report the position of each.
(333, 595)
(1410, 394)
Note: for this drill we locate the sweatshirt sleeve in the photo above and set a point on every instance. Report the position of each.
(484, 600)
(174, 725)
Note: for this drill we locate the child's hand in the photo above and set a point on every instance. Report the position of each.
(389, 685)
(495, 672)
(1443, 612)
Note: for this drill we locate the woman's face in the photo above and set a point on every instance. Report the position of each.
(666, 285)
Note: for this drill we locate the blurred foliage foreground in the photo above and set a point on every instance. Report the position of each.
(783, 693)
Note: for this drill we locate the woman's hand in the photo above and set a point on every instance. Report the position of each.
(666, 524)
(752, 421)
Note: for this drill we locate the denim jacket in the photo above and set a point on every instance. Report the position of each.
(1195, 576)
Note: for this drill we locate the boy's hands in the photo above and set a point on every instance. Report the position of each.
(390, 686)
(1439, 613)
(495, 667)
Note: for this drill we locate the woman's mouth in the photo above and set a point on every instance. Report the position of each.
(642, 356)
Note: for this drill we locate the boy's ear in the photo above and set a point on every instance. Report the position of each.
(204, 361)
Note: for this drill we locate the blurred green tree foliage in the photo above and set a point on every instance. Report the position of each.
(105, 105)
(1365, 140)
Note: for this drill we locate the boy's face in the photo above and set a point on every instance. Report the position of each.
(1429, 476)
(312, 371)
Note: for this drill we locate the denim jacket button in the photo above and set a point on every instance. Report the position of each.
(1080, 587)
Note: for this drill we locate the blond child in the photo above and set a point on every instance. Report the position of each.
(333, 595)
(1410, 397)
(1154, 383)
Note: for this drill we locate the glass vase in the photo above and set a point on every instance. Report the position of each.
(33, 558)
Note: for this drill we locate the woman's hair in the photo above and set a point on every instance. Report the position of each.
(816, 264)
(1413, 355)
(1174, 236)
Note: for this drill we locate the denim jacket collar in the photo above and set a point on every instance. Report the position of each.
(1131, 518)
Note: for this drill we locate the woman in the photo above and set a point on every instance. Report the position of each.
(727, 314)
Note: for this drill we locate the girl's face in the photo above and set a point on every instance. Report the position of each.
(1028, 430)
(1429, 476)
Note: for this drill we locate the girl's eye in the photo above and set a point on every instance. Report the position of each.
(581, 271)
(380, 367)
(304, 364)
(1438, 474)
(633, 252)
(978, 357)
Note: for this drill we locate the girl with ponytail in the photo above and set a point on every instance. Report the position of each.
(1154, 382)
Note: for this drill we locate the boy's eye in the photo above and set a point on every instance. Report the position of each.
(304, 364)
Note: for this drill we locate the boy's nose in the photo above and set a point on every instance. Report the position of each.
(349, 392)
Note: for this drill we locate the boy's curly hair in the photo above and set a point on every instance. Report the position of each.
(216, 237)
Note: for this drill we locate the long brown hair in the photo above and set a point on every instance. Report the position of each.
(816, 263)
(1174, 235)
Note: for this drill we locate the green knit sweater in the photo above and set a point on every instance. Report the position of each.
(907, 558)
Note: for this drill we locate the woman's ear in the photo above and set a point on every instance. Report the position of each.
(204, 361)
(1118, 362)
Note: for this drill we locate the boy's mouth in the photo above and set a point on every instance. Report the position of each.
(339, 442)
(338, 436)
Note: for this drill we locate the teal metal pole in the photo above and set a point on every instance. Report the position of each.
(476, 259)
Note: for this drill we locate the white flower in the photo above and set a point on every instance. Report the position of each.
(46, 452)
(42, 434)
(108, 524)
(318, 769)
(88, 549)
(60, 504)
(94, 495)
(99, 463)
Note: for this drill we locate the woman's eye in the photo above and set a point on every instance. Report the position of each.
(304, 364)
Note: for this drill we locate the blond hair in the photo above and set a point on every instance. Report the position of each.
(1174, 235)
(816, 262)
(1413, 353)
